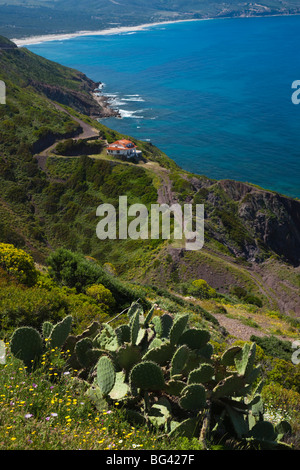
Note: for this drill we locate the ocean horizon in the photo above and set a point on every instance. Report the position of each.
(214, 95)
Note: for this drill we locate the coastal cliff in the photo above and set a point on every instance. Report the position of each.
(63, 85)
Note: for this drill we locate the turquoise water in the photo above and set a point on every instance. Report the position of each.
(214, 95)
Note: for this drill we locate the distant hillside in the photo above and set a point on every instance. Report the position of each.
(48, 199)
(21, 18)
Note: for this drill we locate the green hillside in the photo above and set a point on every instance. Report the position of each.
(116, 301)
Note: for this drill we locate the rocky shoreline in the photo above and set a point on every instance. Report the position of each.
(104, 102)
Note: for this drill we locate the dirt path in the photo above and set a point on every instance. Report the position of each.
(88, 132)
(236, 328)
(164, 191)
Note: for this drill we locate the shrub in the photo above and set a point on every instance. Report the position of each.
(74, 270)
(285, 374)
(102, 295)
(201, 289)
(30, 307)
(18, 263)
(245, 296)
(274, 347)
(276, 396)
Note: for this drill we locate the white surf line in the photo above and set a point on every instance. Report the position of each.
(20, 42)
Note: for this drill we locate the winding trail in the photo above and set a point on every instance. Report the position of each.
(87, 132)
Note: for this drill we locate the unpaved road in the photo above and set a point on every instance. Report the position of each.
(88, 132)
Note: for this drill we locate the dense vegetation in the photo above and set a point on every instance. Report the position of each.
(46, 390)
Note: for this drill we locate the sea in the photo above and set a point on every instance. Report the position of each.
(218, 96)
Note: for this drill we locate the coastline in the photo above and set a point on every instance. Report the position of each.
(103, 32)
(30, 40)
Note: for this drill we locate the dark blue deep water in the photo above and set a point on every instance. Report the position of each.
(214, 95)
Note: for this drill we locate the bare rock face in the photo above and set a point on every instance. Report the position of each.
(251, 222)
(81, 101)
(271, 219)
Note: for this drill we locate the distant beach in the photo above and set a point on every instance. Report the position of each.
(27, 41)
(116, 30)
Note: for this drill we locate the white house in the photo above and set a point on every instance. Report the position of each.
(123, 148)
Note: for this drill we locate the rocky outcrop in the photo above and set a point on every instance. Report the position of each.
(252, 222)
(275, 220)
(82, 101)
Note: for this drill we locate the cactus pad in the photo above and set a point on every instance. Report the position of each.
(106, 375)
(135, 327)
(26, 344)
(134, 308)
(194, 338)
(201, 375)
(178, 328)
(163, 325)
(244, 360)
(148, 317)
(147, 375)
(188, 428)
(193, 397)
(175, 387)
(228, 387)
(179, 360)
(120, 388)
(227, 358)
(47, 328)
(2, 352)
(81, 348)
(60, 332)
(123, 334)
(127, 356)
(107, 339)
(161, 354)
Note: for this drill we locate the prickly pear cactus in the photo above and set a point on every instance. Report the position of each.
(166, 376)
(26, 344)
(193, 397)
(179, 360)
(47, 328)
(60, 332)
(127, 356)
(123, 334)
(201, 375)
(178, 327)
(106, 375)
(147, 375)
(194, 339)
(135, 327)
(161, 355)
(81, 348)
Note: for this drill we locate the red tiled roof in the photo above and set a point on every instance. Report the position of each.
(122, 144)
